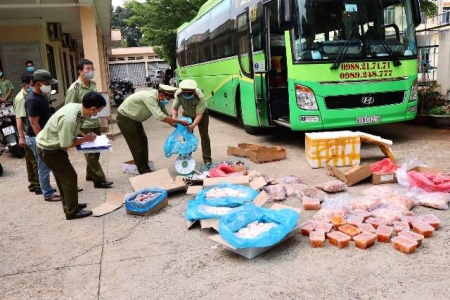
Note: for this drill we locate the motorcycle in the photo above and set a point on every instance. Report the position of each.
(117, 93)
(9, 130)
(52, 100)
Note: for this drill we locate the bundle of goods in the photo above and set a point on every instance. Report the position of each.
(232, 167)
(385, 166)
(142, 201)
(252, 226)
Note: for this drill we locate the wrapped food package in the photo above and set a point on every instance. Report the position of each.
(384, 233)
(332, 207)
(412, 236)
(432, 220)
(360, 212)
(365, 227)
(365, 240)
(317, 239)
(354, 220)
(338, 239)
(276, 192)
(401, 226)
(404, 245)
(324, 227)
(332, 186)
(350, 230)
(313, 193)
(400, 201)
(294, 189)
(289, 179)
(253, 229)
(337, 221)
(380, 191)
(422, 228)
(434, 200)
(389, 214)
(384, 166)
(375, 222)
(310, 203)
(410, 219)
(365, 203)
(308, 227)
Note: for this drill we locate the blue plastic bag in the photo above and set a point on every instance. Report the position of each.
(197, 210)
(143, 207)
(285, 220)
(183, 147)
(246, 194)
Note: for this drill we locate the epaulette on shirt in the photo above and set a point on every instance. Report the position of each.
(76, 86)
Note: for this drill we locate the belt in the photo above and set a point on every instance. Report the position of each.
(49, 151)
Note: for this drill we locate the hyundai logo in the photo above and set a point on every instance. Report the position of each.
(367, 100)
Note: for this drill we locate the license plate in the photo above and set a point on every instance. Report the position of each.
(368, 120)
(8, 130)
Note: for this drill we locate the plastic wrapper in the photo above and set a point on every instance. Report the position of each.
(339, 239)
(384, 233)
(423, 228)
(365, 240)
(199, 210)
(389, 214)
(365, 227)
(401, 173)
(332, 186)
(276, 192)
(294, 189)
(313, 193)
(309, 226)
(384, 166)
(349, 230)
(401, 226)
(412, 236)
(324, 227)
(222, 170)
(317, 239)
(404, 245)
(434, 200)
(147, 204)
(410, 219)
(310, 204)
(254, 229)
(375, 222)
(360, 212)
(180, 141)
(401, 201)
(379, 191)
(338, 206)
(226, 194)
(290, 179)
(229, 224)
(432, 220)
(354, 220)
(365, 203)
(337, 221)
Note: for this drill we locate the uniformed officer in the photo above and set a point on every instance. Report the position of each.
(136, 109)
(6, 88)
(75, 93)
(30, 159)
(192, 100)
(61, 133)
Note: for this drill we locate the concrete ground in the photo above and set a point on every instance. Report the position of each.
(119, 256)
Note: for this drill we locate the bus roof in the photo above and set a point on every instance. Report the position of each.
(203, 9)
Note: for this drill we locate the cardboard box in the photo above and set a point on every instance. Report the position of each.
(384, 178)
(352, 175)
(255, 184)
(160, 179)
(253, 252)
(113, 201)
(338, 149)
(258, 153)
(130, 168)
(154, 209)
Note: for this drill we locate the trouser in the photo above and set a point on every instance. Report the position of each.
(136, 139)
(43, 169)
(204, 136)
(94, 170)
(32, 169)
(65, 176)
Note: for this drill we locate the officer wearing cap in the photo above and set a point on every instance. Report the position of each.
(192, 100)
(136, 109)
(75, 93)
(58, 135)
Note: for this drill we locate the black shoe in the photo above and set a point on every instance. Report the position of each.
(103, 184)
(38, 191)
(80, 213)
(79, 189)
(82, 205)
(89, 179)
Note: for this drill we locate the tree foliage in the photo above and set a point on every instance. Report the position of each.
(159, 19)
(130, 34)
(429, 8)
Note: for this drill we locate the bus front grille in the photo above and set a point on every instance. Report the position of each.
(364, 100)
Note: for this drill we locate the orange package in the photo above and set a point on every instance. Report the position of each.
(401, 226)
(311, 203)
(324, 227)
(384, 233)
(317, 239)
(365, 240)
(404, 245)
(308, 227)
(339, 239)
(337, 221)
(423, 228)
(354, 220)
(350, 230)
(360, 212)
(432, 220)
(412, 236)
(375, 222)
(365, 227)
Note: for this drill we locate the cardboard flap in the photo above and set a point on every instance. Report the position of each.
(353, 175)
(210, 223)
(258, 183)
(114, 201)
(194, 189)
(261, 199)
(160, 179)
(218, 239)
(189, 224)
(230, 179)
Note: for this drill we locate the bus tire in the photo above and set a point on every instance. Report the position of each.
(252, 130)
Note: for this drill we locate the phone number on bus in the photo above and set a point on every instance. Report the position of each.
(365, 74)
(381, 65)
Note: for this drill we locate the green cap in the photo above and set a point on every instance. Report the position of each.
(44, 75)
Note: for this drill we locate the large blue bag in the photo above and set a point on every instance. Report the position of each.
(183, 147)
(197, 210)
(145, 206)
(285, 220)
(246, 194)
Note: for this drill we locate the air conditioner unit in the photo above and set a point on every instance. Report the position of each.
(54, 31)
(74, 45)
(67, 40)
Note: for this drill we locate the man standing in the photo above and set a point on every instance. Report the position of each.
(6, 88)
(192, 100)
(38, 112)
(30, 67)
(136, 109)
(21, 115)
(61, 133)
(75, 94)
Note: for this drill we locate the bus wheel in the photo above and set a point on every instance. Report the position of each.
(252, 130)
(248, 129)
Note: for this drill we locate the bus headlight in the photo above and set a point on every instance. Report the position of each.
(414, 91)
(305, 98)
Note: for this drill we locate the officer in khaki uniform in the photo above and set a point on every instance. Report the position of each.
(136, 109)
(21, 115)
(60, 133)
(6, 88)
(192, 100)
(75, 93)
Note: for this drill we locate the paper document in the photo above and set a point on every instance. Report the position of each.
(100, 142)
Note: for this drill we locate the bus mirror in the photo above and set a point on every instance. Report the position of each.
(416, 15)
(285, 14)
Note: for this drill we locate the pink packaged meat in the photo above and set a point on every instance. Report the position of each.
(434, 200)
(380, 191)
(354, 220)
(389, 214)
(384, 233)
(401, 226)
(412, 236)
(367, 228)
(276, 192)
(375, 222)
(308, 227)
(410, 219)
(333, 186)
(294, 189)
(422, 228)
(313, 193)
(317, 239)
(404, 245)
(432, 220)
(360, 212)
(349, 230)
(324, 227)
(365, 203)
(310, 203)
(365, 240)
(339, 239)
(399, 200)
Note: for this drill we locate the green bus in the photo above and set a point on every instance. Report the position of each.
(304, 64)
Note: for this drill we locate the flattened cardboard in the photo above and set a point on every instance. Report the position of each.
(229, 179)
(353, 175)
(194, 189)
(258, 183)
(113, 201)
(155, 209)
(160, 179)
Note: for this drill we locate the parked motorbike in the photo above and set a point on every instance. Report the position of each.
(51, 101)
(9, 130)
(117, 93)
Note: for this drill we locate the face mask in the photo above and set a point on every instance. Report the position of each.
(30, 69)
(1, 74)
(46, 89)
(29, 90)
(90, 75)
(188, 97)
(94, 117)
(164, 102)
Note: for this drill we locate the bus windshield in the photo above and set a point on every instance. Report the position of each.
(343, 30)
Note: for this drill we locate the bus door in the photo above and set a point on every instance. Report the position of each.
(278, 97)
